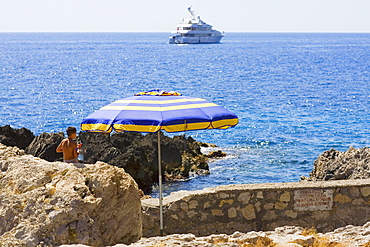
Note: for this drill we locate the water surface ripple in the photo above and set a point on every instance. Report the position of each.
(296, 95)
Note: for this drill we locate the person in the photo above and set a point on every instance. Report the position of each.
(69, 147)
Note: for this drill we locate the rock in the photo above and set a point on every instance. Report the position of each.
(54, 203)
(44, 146)
(216, 154)
(336, 165)
(282, 236)
(135, 152)
(207, 145)
(15, 137)
(138, 155)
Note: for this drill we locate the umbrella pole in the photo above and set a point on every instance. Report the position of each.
(160, 186)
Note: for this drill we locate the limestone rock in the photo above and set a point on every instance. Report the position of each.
(335, 165)
(15, 137)
(281, 236)
(44, 146)
(50, 204)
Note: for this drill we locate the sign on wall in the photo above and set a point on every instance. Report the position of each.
(313, 200)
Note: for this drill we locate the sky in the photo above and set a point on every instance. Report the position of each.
(164, 15)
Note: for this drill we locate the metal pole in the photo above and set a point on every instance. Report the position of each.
(160, 186)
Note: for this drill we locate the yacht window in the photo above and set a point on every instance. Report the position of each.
(187, 35)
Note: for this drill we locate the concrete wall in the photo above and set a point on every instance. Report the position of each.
(325, 205)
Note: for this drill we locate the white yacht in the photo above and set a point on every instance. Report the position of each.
(194, 31)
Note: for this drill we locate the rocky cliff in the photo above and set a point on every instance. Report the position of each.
(52, 203)
(138, 155)
(15, 137)
(44, 146)
(135, 152)
(335, 165)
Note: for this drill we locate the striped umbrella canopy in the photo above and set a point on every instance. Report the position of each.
(158, 110)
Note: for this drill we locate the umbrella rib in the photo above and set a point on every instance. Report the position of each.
(114, 120)
(208, 116)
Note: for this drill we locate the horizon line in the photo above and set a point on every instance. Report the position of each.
(170, 32)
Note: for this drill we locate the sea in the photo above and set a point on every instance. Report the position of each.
(296, 94)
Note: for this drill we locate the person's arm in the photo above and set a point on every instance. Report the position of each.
(60, 147)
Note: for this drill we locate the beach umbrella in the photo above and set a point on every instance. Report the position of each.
(157, 110)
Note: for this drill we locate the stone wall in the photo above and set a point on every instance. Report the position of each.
(324, 205)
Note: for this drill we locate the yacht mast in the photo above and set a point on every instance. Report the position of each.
(192, 13)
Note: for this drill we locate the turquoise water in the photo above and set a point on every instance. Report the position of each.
(296, 95)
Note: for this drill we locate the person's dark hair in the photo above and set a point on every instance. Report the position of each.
(71, 130)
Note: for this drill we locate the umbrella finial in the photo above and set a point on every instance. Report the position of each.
(158, 92)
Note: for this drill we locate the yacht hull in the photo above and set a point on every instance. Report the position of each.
(176, 39)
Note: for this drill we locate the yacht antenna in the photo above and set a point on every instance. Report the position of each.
(192, 12)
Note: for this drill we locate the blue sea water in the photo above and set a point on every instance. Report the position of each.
(296, 94)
